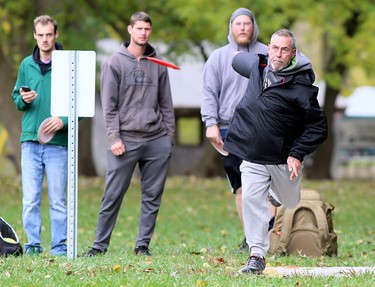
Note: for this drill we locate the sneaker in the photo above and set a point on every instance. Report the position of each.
(243, 245)
(273, 201)
(94, 252)
(34, 250)
(255, 265)
(142, 250)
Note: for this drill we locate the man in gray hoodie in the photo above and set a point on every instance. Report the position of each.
(275, 125)
(140, 125)
(222, 90)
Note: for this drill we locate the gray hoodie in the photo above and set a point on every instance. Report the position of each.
(136, 98)
(223, 88)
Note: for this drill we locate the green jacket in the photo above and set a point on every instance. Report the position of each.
(29, 74)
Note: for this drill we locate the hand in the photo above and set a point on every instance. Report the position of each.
(213, 135)
(28, 97)
(118, 148)
(294, 166)
(53, 125)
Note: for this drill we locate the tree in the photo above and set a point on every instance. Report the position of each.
(340, 27)
(338, 30)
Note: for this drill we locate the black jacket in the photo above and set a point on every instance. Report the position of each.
(282, 120)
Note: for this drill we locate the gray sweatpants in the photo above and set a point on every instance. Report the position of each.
(152, 158)
(257, 182)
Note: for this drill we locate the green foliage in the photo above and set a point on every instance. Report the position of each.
(195, 241)
(77, 29)
(336, 35)
(340, 27)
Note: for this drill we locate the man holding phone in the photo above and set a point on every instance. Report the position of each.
(32, 96)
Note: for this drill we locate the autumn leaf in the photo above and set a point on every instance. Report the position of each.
(148, 270)
(202, 283)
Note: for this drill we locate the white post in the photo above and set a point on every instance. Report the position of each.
(72, 159)
(73, 96)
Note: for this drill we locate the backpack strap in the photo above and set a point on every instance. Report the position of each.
(286, 229)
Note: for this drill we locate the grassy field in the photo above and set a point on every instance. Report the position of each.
(195, 242)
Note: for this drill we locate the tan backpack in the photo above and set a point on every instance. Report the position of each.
(306, 229)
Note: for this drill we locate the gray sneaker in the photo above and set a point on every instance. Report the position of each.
(255, 265)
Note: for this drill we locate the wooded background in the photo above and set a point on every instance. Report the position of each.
(336, 35)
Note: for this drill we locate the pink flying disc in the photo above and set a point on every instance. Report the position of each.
(163, 63)
(44, 138)
(220, 149)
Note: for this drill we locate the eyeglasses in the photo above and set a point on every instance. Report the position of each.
(284, 50)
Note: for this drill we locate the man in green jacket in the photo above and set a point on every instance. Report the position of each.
(32, 96)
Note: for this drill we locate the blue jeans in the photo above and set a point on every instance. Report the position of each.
(53, 160)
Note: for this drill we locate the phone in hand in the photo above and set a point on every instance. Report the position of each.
(25, 88)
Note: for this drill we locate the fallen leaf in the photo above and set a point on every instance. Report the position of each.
(148, 270)
(202, 283)
(218, 261)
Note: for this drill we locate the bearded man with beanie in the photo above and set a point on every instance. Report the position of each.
(223, 88)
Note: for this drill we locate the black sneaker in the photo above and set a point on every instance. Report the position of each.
(94, 252)
(142, 250)
(243, 245)
(273, 201)
(255, 265)
(271, 223)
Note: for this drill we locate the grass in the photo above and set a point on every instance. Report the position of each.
(195, 242)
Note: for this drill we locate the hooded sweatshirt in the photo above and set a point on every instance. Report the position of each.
(286, 119)
(136, 98)
(222, 86)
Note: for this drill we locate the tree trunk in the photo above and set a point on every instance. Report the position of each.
(9, 115)
(320, 165)
(85, 156)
